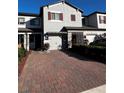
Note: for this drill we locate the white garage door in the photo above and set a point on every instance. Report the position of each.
(55, 42)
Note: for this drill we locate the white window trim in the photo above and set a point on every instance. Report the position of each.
(56, 20)
(55, 11)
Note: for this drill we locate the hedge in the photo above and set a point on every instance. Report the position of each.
(95, 52)
(101, 42)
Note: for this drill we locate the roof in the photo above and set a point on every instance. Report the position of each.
(27, 14)
(83, 28)
(62, 1)
(56, 33)
(96, 12)
(29, 30)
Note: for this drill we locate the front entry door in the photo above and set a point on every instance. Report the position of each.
(32, 41)
(37, 41)
(64, 42)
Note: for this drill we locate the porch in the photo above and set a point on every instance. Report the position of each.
(30, 39)
(82, 35)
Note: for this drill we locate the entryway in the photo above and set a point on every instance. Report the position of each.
(35, 41)
(77, 38)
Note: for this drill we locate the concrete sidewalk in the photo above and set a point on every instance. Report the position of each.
(100, 89)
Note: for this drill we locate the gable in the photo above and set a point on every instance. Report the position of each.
(64, 2)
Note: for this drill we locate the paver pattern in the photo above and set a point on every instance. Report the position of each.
(58, 72)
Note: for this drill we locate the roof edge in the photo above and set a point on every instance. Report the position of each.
(99, 12)
(84, 28)
(27, 14)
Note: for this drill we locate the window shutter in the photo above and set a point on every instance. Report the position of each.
(61, 16)
(49, 16)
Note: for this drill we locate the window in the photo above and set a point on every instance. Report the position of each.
(21, 21)
(73, 18)
(102, 19)
(55, 16)
(35, 22)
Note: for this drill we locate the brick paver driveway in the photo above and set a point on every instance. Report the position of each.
(58, 72)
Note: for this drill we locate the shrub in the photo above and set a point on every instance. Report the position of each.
(95, 52)
(46, 46)
(21, 53)
(101, 42)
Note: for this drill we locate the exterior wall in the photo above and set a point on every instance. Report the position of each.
(56, 26)
(98, 23)
(92, 20)
(27, 24)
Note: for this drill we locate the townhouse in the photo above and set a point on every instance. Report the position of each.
(60, 24)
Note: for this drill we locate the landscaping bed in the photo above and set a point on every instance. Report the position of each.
(22, 57)
(94, 52)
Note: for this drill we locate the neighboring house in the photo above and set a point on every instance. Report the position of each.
(61, 25)
(96, 19)
(29, 31)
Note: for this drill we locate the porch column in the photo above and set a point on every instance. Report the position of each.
(69, 40)
(27, 42)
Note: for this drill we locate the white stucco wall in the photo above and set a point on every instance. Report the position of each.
(56, 26)
(98, 23)
(27, 24)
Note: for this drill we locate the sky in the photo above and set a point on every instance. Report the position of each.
(88, 6)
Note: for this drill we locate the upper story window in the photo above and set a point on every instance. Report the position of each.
(73, 18)
(55, 16)
(35, 22)
(21, 21)
(102, 19)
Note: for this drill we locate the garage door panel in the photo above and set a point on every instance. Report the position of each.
(55, 42)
